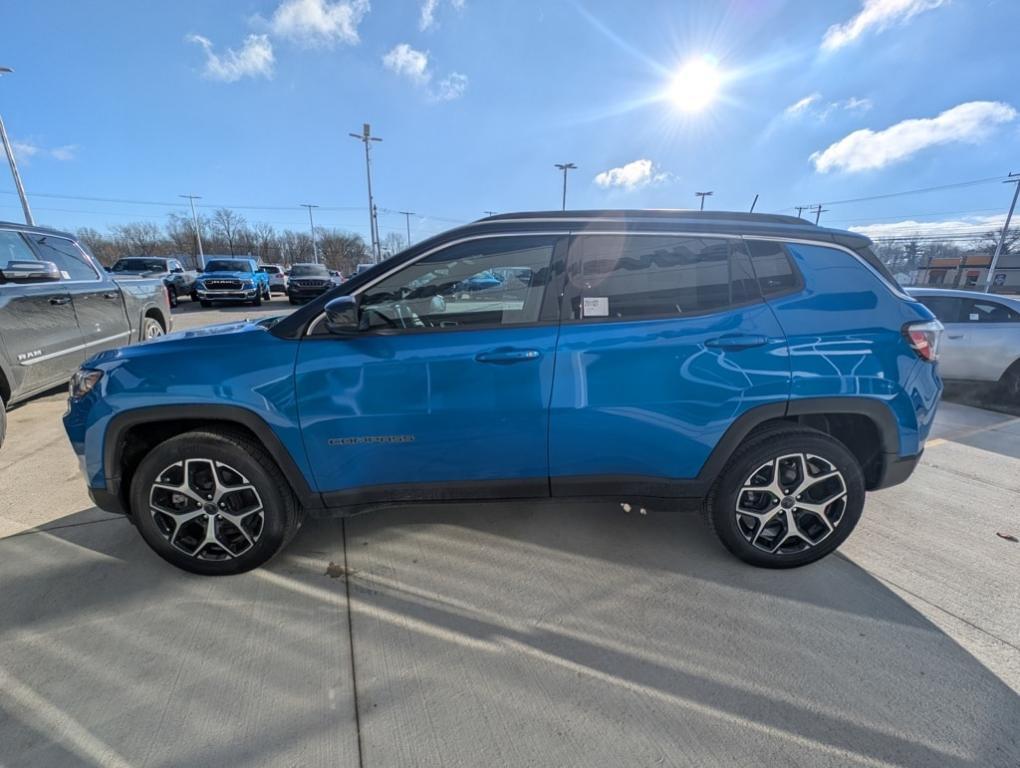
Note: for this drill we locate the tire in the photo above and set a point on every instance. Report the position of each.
(3, 421)
(293, 301)
(1009, 384)
(177, 475)
(171, 293)
(206, 304)
(193, 296)
(761, 533)
(151, 329)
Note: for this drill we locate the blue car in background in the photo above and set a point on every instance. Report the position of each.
(232, 280)
(759, 368)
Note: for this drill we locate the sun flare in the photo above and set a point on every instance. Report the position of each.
(696, 84)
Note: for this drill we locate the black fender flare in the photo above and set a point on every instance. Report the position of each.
(119, 425)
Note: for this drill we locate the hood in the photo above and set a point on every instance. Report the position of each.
(232, 335)
(228, 276)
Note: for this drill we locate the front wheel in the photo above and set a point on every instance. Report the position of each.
(206, 304)
(3, 421)
(171, 293)
(213, 503)
(1009, 385)
(788, 497)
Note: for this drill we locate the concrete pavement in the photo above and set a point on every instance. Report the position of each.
(509, 634)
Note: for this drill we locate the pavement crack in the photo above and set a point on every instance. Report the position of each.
(350, 636)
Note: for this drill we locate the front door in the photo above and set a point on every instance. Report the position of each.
(665, 341)
(446, 392)
(38, 324)
(97, 301)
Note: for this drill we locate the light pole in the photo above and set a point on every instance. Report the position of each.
(565, 167)
(1014, 178)
(703, 195)
(198, 229)
(366, 137)
(407, 218)
(14, 166)
(311, 228)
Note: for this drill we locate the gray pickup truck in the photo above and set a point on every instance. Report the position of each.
(59, 307)
(178, 280)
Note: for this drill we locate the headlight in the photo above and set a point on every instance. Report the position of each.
(83, 382)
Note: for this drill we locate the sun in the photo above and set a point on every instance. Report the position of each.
(696, 84)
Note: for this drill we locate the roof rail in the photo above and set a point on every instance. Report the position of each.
(654, 213)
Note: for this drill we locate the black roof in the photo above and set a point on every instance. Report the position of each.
(22, 227)
(666, 214)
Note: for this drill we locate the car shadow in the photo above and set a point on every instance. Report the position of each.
(491, 607)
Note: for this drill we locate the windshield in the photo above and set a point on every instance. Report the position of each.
(228, 265)
(140, 265)
(309, 270)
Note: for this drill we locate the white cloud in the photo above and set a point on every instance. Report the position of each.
(254, 58)
(427, 17)
(633, 175)
(406, 61)
(319, 22)
(877, 15)
(450, 87)
(25, 150)
(801, 106)
(965, 226)
(866, 149)
(812, 105)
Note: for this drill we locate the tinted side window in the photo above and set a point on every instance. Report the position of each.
(945, 308)
(985, 311)
(638, 276)
(14, 248)
(65, 255)
(493, 281)
(775, 272)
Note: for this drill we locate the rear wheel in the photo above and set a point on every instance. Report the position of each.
(206, 304)
(151, 329)
(213, 503)
(171, 292)
(788, 497)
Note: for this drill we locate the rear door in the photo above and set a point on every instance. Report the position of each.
(665, 340)
(97, 300)
(990, 331)
(38, 324)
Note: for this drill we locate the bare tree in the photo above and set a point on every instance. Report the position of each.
(139, 239)
(990, 240)
(264, 240)
(341, 251)
(295, 246)
(227, 225)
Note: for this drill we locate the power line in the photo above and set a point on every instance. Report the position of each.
(887, 195)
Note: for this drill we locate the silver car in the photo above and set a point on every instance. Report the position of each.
(277, 277)
(982, 338)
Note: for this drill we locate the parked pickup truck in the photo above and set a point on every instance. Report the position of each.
(58, 307)
(232, 279)
(178, 280)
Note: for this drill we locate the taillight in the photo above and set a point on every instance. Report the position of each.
(924, 338)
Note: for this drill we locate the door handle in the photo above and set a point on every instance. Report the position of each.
(954, 335)
(508, 355)
(111, 295)
(58, 301)
(737, 341)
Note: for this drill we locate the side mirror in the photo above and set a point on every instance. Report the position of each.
(177, 270)
(343, 316)
(30, 272)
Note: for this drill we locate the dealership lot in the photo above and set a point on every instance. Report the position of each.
(510, 634)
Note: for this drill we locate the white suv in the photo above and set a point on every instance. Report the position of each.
(277, 277)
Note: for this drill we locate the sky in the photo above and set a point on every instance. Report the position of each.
(117, 107)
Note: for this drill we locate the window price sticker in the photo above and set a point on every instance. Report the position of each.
(595, 306)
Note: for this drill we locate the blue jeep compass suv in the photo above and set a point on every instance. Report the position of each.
(768, 370)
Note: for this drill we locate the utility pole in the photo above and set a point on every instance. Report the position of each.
(754, 202)
(818, 212)
(367, 137)
(489, 213)
(565, 167)
(1014, 178)
(703, 195)
(311, 228)
(14, 166)
(198, 230)
(800, 209)
(407, 218)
